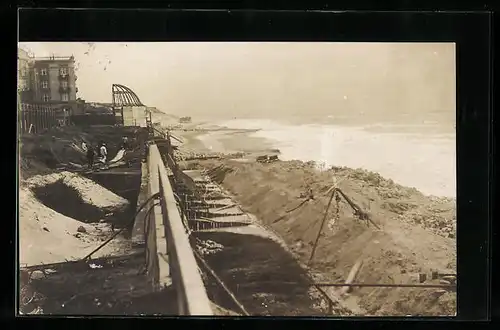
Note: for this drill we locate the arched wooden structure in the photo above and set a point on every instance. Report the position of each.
(124, 97)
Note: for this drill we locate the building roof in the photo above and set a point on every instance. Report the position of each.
(55, 58)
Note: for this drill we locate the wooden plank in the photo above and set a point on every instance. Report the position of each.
(352, 275)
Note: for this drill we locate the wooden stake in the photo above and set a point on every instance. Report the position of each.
(352, 275)
(321, 227)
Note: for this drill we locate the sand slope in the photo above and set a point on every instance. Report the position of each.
(45, 235)
(91, 192)
(417, 231)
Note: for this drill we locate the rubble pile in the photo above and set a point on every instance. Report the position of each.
(183, 155)
(437, 218)
(386, 188)
(436, 214)
(208, 247)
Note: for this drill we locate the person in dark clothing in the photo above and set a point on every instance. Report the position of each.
(125, 142)
(90, 157)
(146, 151)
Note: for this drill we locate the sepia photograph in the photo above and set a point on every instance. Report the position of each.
(237, 179)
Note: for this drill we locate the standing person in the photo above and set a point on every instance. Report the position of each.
(103, 151)
(125, 142)
(90, 157)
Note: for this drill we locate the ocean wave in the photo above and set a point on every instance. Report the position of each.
(424, 161)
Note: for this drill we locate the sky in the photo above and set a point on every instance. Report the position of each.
(267, 79)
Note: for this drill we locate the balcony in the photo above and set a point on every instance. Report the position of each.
(63, 89)
(63, 76)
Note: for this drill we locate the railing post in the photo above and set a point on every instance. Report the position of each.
(37, 118)
(44, 118)
(164, 212)
(30, 116)
(25, 118)
(21, 117)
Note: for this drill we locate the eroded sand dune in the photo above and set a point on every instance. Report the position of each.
(46, 236)
(416, 232)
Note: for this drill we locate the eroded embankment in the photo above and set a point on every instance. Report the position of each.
(63, 216)
(239, 256)
(416, 236)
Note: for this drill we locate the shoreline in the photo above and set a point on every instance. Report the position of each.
(223, 140)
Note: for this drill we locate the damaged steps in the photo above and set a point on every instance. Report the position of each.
(210, 208)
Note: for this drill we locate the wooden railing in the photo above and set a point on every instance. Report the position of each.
(176, 253)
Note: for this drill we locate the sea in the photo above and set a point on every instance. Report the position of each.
(414, 152)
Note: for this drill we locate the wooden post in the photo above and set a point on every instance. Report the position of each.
(30, 116)
(49, 124)
(44, 118)
(22, 118)
(34, 123)
(321, 227)
(26, 117)
(41, 121)
(352, 275)
(37, 118)
(49, 118)
(38, 126)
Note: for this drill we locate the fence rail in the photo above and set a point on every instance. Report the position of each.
(35, 118)
(183, 269)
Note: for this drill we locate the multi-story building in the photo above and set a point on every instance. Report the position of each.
(54, 83)
(24, 75)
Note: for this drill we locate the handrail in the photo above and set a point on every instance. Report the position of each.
(186, 278)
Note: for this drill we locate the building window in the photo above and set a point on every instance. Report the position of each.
(43, 72)
(63, 71)
(45, 84)
(46, 97)
(65, 97)
(64, 84)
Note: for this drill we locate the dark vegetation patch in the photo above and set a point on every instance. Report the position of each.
(116, 286)
(264, 277)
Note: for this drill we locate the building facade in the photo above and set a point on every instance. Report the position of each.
(54, 82)
(48, 80)
(24, 75)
